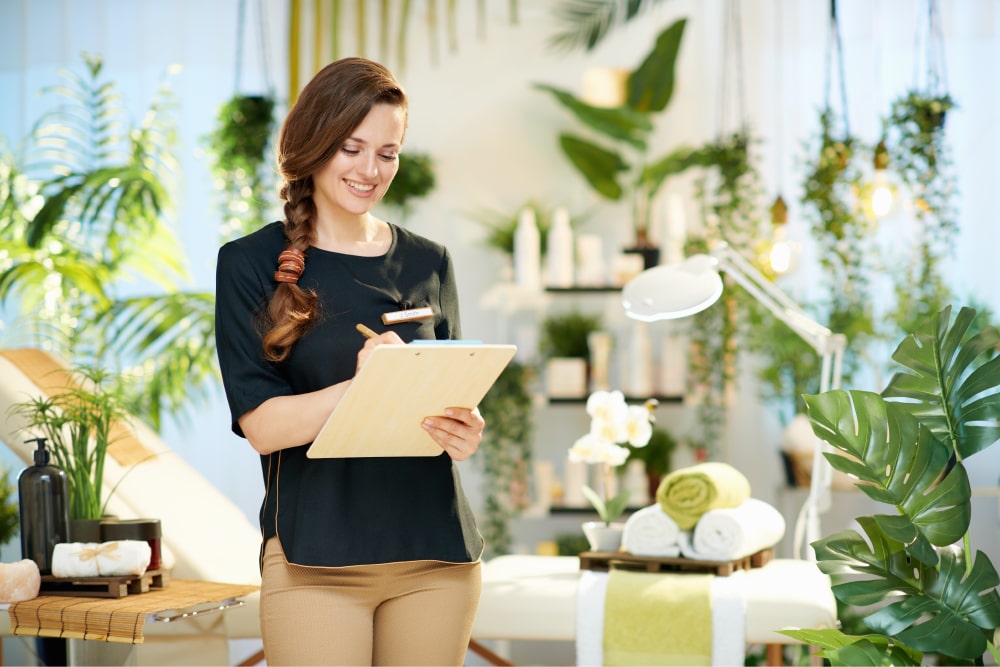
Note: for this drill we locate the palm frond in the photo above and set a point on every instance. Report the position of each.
(587, 22)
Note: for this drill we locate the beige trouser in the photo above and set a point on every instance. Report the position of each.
(410, 613)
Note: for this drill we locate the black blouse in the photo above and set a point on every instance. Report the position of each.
(336, 512)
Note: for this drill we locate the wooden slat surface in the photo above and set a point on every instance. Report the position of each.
(114, 619)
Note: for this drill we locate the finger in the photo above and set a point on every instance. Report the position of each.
(454, 437)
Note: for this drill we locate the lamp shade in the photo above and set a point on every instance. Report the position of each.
(673, 290)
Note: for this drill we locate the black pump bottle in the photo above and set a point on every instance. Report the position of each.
(43, 492)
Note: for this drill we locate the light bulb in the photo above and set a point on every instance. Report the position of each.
(780, 257)
(881, 194)
(780, 254)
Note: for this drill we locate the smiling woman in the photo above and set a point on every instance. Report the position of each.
(289, 349)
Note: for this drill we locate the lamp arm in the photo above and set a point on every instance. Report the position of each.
(768, 295)
(828, 345)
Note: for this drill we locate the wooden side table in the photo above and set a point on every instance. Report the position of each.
(106, 631)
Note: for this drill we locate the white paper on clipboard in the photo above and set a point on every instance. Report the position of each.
(381, 412)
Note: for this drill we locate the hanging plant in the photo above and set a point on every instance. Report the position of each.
(731, 215)
(414, 180)
(505, 455)
(843, 236)
(238, 147)
(922, 160)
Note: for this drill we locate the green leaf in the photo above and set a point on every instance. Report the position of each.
(616, 506)
(676, 162)
(898, 461)
(619, 123)
(843, 649)
(951, 381)
(598, 165)
(932, 609)
(651, 85)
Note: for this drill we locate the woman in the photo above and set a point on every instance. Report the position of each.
(365, 561)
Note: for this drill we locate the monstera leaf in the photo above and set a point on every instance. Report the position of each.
(951, 381)
(898, 462)
(906, 447)
(865, 650)
(932, 609)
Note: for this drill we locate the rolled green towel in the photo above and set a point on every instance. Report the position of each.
(687, 493)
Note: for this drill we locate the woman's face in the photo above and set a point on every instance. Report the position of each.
(359, 173)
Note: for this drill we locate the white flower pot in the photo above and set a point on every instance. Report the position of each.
(602, 536)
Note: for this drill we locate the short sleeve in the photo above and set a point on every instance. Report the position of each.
(449, 327)
(240, 294)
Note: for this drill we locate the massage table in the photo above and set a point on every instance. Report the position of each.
(534, 598)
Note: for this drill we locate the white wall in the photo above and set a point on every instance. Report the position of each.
(493, 136)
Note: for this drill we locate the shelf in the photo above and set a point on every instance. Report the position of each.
(628, 399)
(584, 289)
(585, 510)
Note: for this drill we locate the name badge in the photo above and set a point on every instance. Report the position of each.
(408, 315)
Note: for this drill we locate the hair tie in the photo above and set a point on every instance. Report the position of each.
(291, 264)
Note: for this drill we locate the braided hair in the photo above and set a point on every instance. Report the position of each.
(331, 106)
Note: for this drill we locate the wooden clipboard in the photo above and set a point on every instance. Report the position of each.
(381, 412)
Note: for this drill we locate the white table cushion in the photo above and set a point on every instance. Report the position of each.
(534, 598)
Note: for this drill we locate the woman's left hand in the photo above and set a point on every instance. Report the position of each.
(458, 431)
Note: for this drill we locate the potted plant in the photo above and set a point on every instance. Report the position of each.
(914, 576)
(625, 170)
(564, 344)
(78, 423)
(615, 427)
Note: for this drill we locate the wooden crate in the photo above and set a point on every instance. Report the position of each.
(104, 587)
(602, 561)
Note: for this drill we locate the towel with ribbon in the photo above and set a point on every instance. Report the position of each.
(650, 532)
(105, 559)
(687, 493)
(734, 532)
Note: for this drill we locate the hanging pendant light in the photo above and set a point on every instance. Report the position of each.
(882, 194)
(780, 255)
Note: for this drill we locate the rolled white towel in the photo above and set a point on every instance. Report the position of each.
(651, 532)
(734, 532)
(105, 559)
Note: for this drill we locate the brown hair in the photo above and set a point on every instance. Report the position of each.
(329, 108)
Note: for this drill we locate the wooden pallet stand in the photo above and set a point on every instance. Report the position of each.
(602, 561)
(104, 587)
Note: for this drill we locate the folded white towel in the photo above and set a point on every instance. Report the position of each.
(590, 594)
(734, 532)
(651, 532)
(729, 611)
(105, 559)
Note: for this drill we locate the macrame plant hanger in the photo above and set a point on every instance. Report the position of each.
(834, 44)
(933, 51)
(241, 22)
(779, 209)
(732, 116)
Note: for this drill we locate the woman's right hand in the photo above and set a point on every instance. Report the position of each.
(384, 338)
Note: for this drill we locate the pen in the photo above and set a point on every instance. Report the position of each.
(365, 330)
